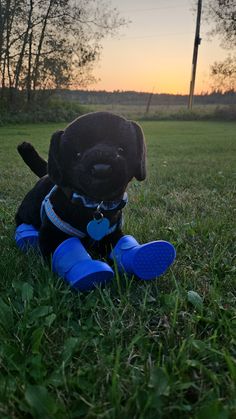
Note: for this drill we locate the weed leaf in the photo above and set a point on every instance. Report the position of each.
(212, 410)
(37, 336)
(40, 401)
(69, 347)
(195, 299)
(27, 292)
(159, 381)
(40, 312)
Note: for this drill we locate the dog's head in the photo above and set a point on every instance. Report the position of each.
(98, 154)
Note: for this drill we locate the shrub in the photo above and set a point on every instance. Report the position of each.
(44, 111)
(219, 113)
(226, 113)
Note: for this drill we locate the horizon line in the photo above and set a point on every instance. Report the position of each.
(147, 92)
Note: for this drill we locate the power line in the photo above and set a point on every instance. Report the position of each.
(124, 38)
(151, 9)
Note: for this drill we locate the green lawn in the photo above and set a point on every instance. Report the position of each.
(160, 349)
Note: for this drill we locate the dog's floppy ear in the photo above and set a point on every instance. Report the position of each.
(140, 172)
(54, 159)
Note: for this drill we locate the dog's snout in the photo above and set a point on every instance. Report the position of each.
(101, 170)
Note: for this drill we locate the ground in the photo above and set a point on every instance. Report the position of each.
(135, 349)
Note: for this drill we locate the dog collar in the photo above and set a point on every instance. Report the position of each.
(103, 205)
(48, 211)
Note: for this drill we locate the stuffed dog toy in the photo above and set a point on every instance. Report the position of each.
(75, 209)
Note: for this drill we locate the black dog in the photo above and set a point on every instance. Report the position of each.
(77, 207)
(96, 157)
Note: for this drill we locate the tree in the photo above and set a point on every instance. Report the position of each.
(221, 15)
(224, 74)
(47, 44)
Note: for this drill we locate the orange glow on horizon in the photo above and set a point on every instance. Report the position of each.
(152, 81)
(155, 51)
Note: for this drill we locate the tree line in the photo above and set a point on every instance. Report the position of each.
(100, 97)
(54, 44)
(47, 44)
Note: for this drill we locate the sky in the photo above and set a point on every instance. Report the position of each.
(154, 52)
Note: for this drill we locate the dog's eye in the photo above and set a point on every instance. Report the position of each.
(78, 155)
(121, 150)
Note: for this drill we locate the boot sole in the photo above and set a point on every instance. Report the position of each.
(153, 259)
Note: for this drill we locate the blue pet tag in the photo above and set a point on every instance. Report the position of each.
(97, 229)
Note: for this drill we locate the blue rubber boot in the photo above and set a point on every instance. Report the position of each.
(146, 261)
(72, 262)
(27, 237)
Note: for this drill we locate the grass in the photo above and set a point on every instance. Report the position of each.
(160, 349)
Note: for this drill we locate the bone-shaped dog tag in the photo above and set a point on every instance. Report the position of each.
(97, 229)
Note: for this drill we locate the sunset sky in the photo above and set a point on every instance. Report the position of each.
(155, 49)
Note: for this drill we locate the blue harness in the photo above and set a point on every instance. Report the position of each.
(48, 210)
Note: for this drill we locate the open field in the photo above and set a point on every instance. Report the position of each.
(57, 110)
(155, 111)
(170, 112)
(160, 349)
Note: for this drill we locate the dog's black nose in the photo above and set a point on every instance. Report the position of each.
(101, 170)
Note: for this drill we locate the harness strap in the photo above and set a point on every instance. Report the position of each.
(47, 209)
(58, 222)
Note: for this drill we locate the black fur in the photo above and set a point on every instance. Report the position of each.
(97, 155)
(29, 154)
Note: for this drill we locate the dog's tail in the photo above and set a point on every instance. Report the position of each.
(30, 156)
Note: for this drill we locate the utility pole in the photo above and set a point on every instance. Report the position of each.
(149, 100)
(197, 41)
